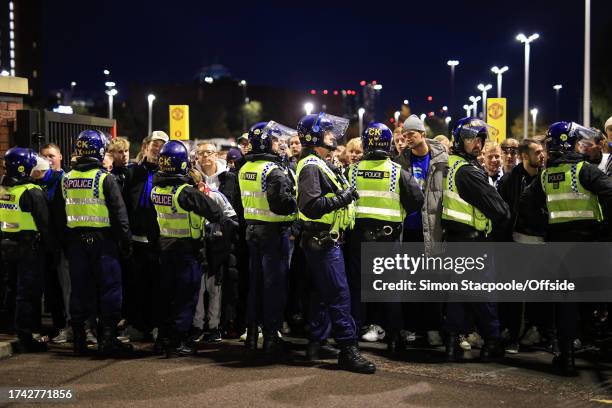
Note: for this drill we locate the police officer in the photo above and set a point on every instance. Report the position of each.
(573, 193)
(97, 221)
(386, 194)
(269, 210)
(24, 222)
(181, 212)
(326, 205)
(472, 211)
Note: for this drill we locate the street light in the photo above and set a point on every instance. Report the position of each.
(474, 100)
(209, 80)
(361, 111)
(406, 102)
(452, 64)
(396, 115)
(526, 40)
(106, 72)
(557, 88)
(586, 101)
(150, 98)
(499, 72)
(468, 110)
(109, 84)
(243, 85)
(308, 107)
(484, 89)
(534, 115)
(111, 93)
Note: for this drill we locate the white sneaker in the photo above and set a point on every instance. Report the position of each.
(531, 337)
(64, 336)
(463, 343)
(434, 339)
(244, 335)
(407, 336)
(374, 333)
(475, 340)
(89, 337)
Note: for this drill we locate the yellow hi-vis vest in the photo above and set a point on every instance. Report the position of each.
(377, 182)
(12, 217)
(566, 199)
(252, 181)
(173, 221)
(454, 208)
(342, 219)
(84, 196)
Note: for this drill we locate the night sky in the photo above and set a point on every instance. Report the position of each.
(404, 46)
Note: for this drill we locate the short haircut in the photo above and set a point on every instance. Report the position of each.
(50, 146)
(506, 142)
(490, 145)
(441, 138)
(118, 143)
(354, 144)
(214, 147)
(523, 146)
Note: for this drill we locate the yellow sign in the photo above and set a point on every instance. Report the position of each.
(179, 122)
(496, 118)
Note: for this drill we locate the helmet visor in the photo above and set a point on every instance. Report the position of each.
(339, 125)
(585, 134)
(475, 128)
(279, 132)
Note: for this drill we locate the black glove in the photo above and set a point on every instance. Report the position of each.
(125, 249)
(344, 198)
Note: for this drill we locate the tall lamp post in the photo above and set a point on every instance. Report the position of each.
(499, 72)
(245, 100)
(452, 64)
(111, 93)
(361, 111)
(150, 98)
(396, 115)
(474, 100)
(557, 88)
(526, 40)
(484, 88)
(586, 102)
(468, 109)
(534, 116)
(308, 107)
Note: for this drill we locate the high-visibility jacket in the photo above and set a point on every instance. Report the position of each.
(174, 221)
(566, 199)
(454, 208)
(84, 196)
(377, 182)
(12, 217)
(252, 181)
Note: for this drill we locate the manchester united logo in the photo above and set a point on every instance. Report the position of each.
(496, 110)
(177, 114)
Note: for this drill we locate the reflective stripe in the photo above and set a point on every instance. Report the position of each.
(9, 225)
(259, 211)
(526, 239)
(378, 211)
(77, 201)
(572, 214)
(87, 218)
(455, 196)
(457, 214)
(171, 216)
(566, 196)
(140, 238)
(253, 194)
(173, 232)
(379, 194)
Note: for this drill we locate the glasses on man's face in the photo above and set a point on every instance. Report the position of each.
(206, 153)
(510, 150)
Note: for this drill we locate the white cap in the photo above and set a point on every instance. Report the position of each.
(413, 122)
(608, 123)
(160, 135)
(42, 164)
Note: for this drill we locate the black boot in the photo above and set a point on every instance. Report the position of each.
(350, 359)
(110, 346)
(492, 350)
(28, 344)
(79, 343)
(564, 362)
(453, 352)
(395, 343)
(323, 350)
(252, 337)
(187, 347)
(272, 343)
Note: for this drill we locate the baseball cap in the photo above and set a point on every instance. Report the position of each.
(608, 123)
(159, 135)
(233, 154)
(413, 122)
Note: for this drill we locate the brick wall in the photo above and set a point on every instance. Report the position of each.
(8, 107)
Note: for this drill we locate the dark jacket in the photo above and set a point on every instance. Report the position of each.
(532, 206)
(121, 173)
(279, 187)
(120, 226)
(510, 188)
(411, 196)
(137, 195)
(473, 186)
(190, 199)
(33, 201)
